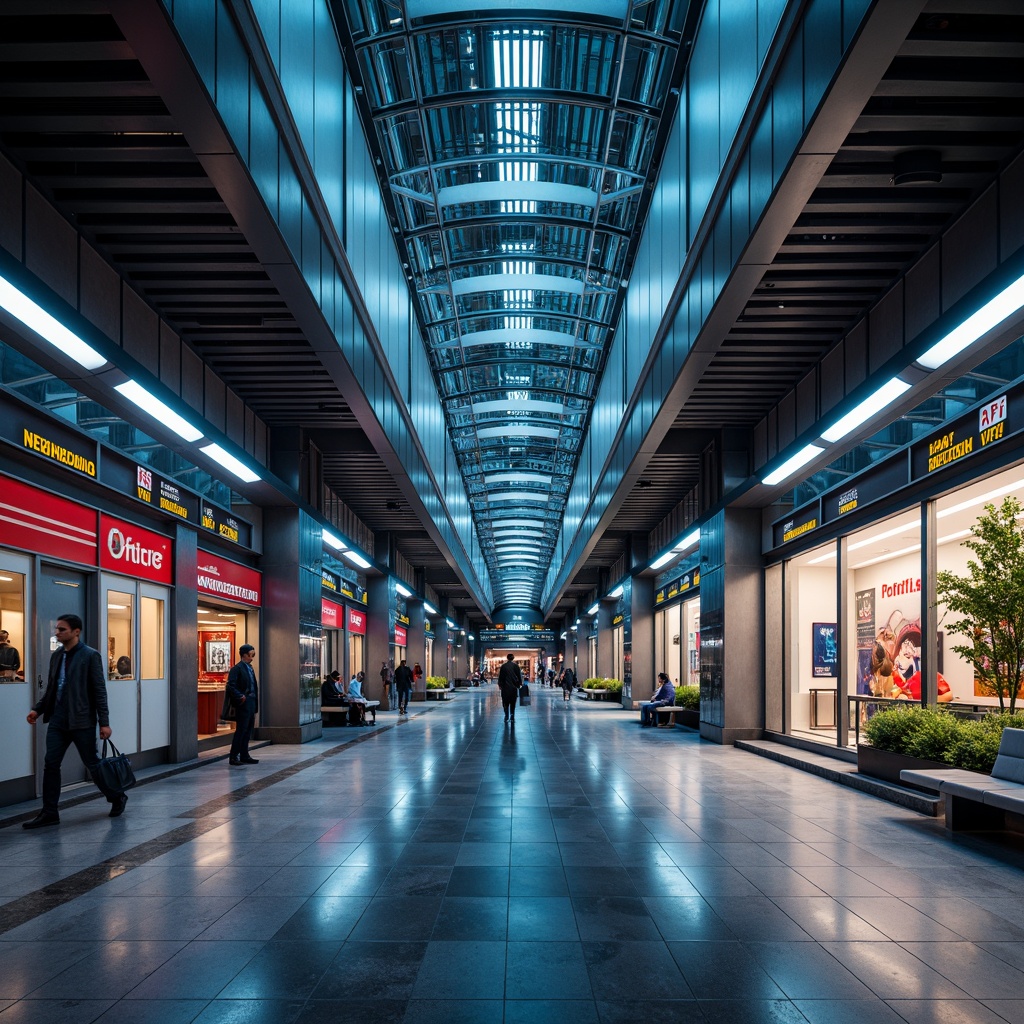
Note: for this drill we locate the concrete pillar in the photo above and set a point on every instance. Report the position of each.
(416, 651)
(731, 605)
(605, 660)
(289, 684)
(639, 641)
(380, 625)
(184, 745)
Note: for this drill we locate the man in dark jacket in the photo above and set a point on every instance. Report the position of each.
(74, 701)
(664, 696)
(509, 681)
(403, 684)
(243, 693)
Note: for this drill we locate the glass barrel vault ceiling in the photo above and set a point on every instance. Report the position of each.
(516, 154)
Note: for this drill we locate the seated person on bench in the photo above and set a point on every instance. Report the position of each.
(356, 700)
(332, 693)
(664, 696)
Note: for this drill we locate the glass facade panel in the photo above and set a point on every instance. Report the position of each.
(120, 615)
(152, 637)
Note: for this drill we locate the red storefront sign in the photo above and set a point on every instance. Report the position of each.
(45, 524)
(220, 577)
(134, 551)
(356, 621)
(400, 636)
(331, 615)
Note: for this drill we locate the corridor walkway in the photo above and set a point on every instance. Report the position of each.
(446, 869)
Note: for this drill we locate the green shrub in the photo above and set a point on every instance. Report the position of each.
(937, 734)
(437, 683)
(688, 697)
(593, 683)
(612, 685)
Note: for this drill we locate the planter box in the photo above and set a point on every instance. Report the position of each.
(886, 765)
(688, 717)
(438, 694)
(596, 694)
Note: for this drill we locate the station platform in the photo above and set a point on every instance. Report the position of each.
(445, 867)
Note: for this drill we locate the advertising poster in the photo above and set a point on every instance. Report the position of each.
(865, 637)
(824, 651)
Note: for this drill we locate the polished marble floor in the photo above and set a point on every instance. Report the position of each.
(446, 868)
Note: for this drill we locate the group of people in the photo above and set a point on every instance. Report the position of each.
(398, 683)
(334, 693)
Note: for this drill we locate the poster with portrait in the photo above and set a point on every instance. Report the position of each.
(825, 651)
(218, 656)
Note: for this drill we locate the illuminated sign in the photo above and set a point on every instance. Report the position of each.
(400, 636)
(65, 450)
(331, 615)
(330, 582)
(130, 549)
(356, 621)
(163, 494)
(35, 520)
(221, 577)
(224, 524)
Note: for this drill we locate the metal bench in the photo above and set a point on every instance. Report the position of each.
(975, 801)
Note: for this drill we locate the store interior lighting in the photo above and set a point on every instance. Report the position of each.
(34, 317)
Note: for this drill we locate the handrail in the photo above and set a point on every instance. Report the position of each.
(905, 702)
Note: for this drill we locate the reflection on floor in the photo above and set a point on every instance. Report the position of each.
(447, 868)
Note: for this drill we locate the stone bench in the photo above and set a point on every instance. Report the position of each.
(595, 694)
(342, 709)
(439, 694)
(975, 801)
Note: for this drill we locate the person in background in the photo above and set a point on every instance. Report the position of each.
(243, 693)
(332, 692)
(417, 672)
(356, 700)
(74, 702)
(403, 684)
(664, 696)
(509, 681)
(387, 681)
(568, 683)
(10, 657)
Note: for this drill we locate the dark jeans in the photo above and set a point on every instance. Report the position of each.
(58, 739)
(403, 699)
(509, 704)
(648, 716)
(243, 731)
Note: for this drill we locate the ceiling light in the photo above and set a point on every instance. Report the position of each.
(663, 560)
(692, 538)
(333, 541)
(229, 462)
(404, 591)
(430, 608)
(6, 579)
(449, 624)
(592, 610)
(993, 313)
(117, 607)
(791, 465)
(471, 637)
(149, 403)
(33, 316)
(983, 499)
(357, 559)
(871, 406)
(617, 592)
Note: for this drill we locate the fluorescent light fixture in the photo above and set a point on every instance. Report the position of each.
(449, 623)
(689, 541)
(471, 637)
(462, 632)
(592, 610)
(617, 592)
(562, 636)
(229, 462)
(137, 394)
(993, 313)
(663, 560)
(573, 628)
(6, 579)
(982, 499)
(117, 607)
(871, 406)
(430, 608)
(357, 559)
(33, 316)
(791, 465)
(333, 541)
(404, 591)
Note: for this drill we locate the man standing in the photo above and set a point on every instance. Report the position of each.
(387, 683)
(74, 701)
(664, 696)
(509, 681)
(403, 683)
(10, 659)
(243, 693)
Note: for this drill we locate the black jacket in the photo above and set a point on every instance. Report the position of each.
(403, 677)
(509, 678)
(239, 681)
(85, 688)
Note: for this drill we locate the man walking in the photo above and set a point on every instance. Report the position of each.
(403, 683)
(509, 681)
(243, 694)
(74, 701)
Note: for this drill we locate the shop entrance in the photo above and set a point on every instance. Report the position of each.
(61, 592)
(221, 630)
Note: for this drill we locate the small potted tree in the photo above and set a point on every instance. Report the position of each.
(989, 602)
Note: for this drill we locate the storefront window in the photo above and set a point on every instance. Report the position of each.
(955, 514)
(151, 637)
(12, 626)
(120, 607)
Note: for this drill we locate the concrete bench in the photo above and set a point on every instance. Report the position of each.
(667, 715)
(595, 694)
(976, 801)
(439, 694)
(342, 709)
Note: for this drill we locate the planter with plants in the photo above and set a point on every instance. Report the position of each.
(688, 701)
(596, 688)
(438, 688)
